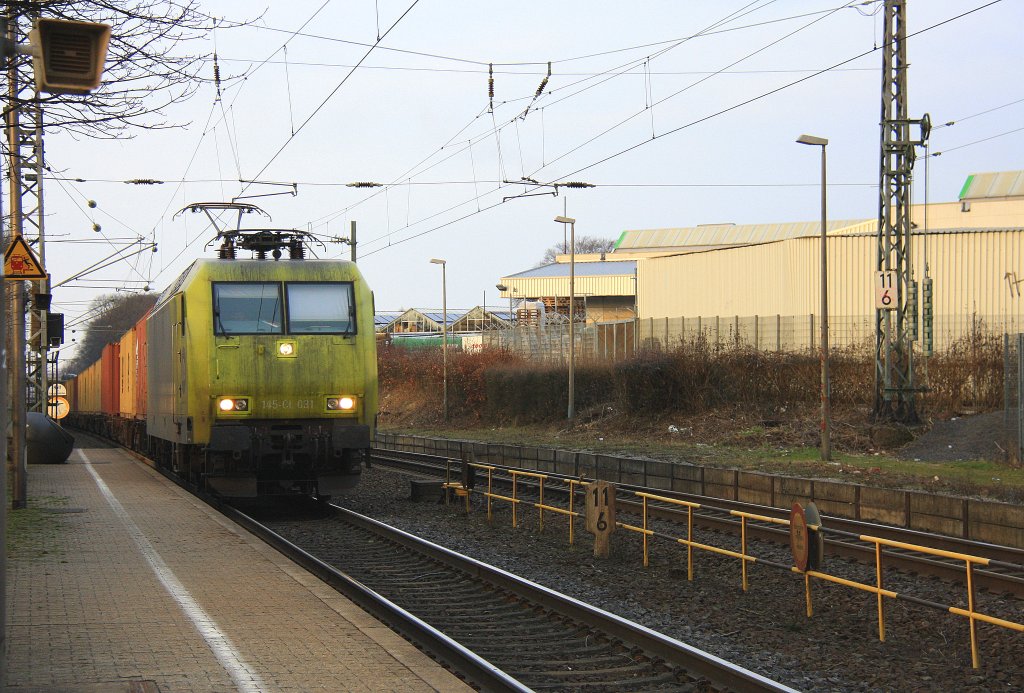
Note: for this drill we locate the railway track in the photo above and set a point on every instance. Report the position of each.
(842, 536)
(500, 631)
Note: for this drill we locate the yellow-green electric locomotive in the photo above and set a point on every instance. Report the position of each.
(262, 373)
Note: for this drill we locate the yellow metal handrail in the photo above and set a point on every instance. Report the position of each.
(515, 500)
(970, 561)
(877, 589)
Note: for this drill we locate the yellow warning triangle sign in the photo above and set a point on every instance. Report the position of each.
(21, 263)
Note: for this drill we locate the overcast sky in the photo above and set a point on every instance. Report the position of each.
(717, 145)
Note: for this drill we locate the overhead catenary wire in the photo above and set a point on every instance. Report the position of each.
(770, 93)
(587, 56)
(327, 99)
(695, 122)
(495, 130)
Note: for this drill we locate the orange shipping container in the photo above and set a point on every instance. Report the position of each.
(110, 389)
(88, 389)
(141, 381)
(127, 364)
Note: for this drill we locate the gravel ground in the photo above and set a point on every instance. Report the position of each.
(765, 629)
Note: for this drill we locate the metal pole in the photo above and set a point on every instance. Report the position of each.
(444, 334)
(19, 491)
(352, 240)
(572, 321)
(4, 421)
(826, 408)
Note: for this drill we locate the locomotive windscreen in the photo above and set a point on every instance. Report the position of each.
(247, 308)
(320, 308)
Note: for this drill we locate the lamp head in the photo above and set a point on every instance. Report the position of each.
(811, 139)
(565, 220)
(436, 261)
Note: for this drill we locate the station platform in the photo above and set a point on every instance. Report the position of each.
(128, 583)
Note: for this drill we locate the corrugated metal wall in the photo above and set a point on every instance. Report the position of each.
(969, 272)
(535, 287)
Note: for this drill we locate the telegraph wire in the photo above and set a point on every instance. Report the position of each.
(970, 144)
(526, 63)
(477, 181)
(240, 83)
(330, 95)
(654, 136)
(975, 115)
(682, 127)
(769, 93)
(743, 11)
(117, 250)
(519, 73)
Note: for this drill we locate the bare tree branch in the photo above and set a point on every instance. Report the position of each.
(584, 244)
(151, 63)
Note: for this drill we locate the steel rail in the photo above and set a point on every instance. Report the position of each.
(841, 534)
(724, 675)
(466, 663)
(446, 650)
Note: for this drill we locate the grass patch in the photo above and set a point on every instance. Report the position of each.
(34, 532)
(970, 478)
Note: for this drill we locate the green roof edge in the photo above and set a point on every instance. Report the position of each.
(967, 184)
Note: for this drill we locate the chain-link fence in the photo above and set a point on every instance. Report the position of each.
(802, 332)
(549, 343)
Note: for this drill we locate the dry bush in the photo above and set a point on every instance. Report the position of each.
(693, 379)
(528, 393)
(968, 375)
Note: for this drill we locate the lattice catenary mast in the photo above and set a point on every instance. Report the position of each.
(895, 329)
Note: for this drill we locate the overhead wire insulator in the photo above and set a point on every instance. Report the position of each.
(216, 74)
(543, 83)
(490, 85)
(576, 184)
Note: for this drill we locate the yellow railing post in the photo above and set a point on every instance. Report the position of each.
(807, 595)
(646, 559)
(490, 498)
(447, 478)
(572, 517)
(515, 488)
(743, 549)
(541, 504)
(878, 579)
(689, 544)
(975, 660)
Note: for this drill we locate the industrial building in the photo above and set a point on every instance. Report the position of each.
(759, 284)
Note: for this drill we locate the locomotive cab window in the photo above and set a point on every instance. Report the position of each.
(320, 308)
(247, 308)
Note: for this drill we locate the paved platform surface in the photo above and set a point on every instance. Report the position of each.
(121, 581)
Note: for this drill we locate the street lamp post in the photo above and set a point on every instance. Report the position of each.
(572, 317)
(502, 287)
(444, 330)
(826, 407)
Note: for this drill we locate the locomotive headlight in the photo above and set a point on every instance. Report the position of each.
(228, 405)
(343, 403)
(286, 349)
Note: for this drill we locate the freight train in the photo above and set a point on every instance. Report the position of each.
(248, 377)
